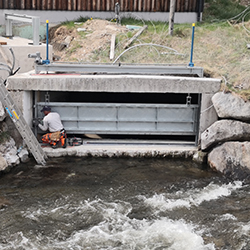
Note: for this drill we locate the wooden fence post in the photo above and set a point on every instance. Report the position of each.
(171, 17)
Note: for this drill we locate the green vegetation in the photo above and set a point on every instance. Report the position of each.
(4, 136)
(220, 44)
(74, 23)
(218, 10)
(74, 47)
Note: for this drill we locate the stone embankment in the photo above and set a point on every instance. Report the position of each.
(10, 153)
(227, 141)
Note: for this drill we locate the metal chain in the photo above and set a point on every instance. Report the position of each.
(188, 102)
(47, 98)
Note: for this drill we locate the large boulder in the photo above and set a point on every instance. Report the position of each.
(225, 130)
(9, 152)
(3, 163)
(228, 105)
(23, 155)
(2, 112)
(11, 157)
(232, 159)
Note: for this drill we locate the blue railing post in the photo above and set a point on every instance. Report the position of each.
(191, 64)
(47, 61)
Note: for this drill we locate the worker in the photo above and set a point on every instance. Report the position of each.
(52, 122)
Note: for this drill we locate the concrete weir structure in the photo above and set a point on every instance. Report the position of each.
(30, 88)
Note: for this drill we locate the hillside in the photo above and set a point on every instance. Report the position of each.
(220, 47)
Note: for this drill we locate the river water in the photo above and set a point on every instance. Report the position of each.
(125, 203)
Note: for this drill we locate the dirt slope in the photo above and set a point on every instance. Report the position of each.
(81, 43)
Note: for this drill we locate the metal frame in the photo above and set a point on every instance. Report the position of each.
(120, 69)
(35, 20)
(127, 118)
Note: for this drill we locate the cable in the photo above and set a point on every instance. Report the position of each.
(243, 20)
(207, 109)
(225, 83)
(145, 44)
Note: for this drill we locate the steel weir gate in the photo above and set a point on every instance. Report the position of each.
(126, 118)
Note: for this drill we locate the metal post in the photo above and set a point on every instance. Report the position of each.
(191, 64)
(47, 61)
(117, 13)
(8, 27)
(35, 27)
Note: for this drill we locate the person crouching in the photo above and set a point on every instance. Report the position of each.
(52, 122)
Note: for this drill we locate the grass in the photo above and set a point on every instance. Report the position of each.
(221, 10)
(220, 44)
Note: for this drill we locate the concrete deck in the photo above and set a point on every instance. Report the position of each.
(125, 148)
(112, 83)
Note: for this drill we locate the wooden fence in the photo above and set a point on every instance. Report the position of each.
(103, 5)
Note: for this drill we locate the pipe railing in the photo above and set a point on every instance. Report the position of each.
(10, 17)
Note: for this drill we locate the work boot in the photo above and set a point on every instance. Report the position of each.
(55, 145)
(64, 141)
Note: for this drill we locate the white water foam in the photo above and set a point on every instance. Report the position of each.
(115, 231)
(225, 217)
(161, 202)
(146, 235)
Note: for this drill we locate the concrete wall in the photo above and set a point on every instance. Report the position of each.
(61, 16)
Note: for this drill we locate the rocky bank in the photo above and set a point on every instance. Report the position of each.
(11, 153)
(227, 141)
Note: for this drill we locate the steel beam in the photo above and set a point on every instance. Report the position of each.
(120, 69)
(9, 17)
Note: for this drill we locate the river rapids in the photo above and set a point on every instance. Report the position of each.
(122, 204)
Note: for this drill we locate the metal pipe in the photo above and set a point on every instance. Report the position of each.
(47, 39)
(47, 61)
(191, 64)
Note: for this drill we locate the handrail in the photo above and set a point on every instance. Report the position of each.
(35, 20)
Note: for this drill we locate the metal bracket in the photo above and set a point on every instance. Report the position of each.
(37, 56)
(47, 97)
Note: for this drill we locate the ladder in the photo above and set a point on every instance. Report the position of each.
(21, 125)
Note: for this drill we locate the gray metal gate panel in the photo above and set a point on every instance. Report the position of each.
(123, 118)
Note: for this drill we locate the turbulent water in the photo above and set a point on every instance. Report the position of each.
(88, 203)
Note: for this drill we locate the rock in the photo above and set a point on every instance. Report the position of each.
(81, 29)
(4, 202)
(11, 157)
(4, 147)
(3, 163)
(24, 155)
(3, 127)
(225, 130)
(65, 43)
(200, 157)
(8, 150)
(2, 112)
(232, 159)
(229, 105)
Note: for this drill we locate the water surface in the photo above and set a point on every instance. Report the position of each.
(107, 203)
